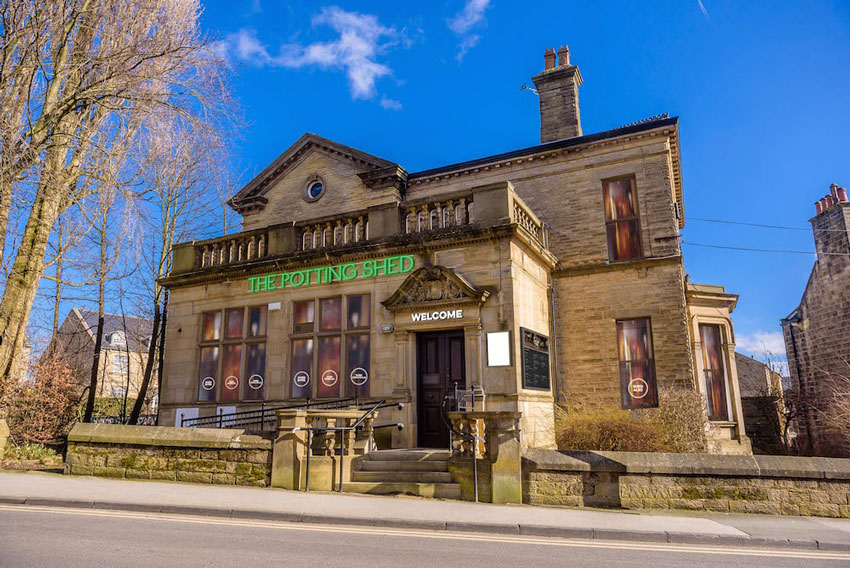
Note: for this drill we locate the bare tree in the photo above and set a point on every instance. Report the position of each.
(79, 77)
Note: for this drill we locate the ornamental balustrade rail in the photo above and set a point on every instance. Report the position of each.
(485, 206)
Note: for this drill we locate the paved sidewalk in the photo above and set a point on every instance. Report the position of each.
(247, 502)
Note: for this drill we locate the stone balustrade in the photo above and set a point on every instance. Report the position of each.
(438, 215)
(332, 233)
(482, 207)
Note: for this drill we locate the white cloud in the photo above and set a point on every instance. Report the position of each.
(390, 104)
(361, 39)
(766, 346)
(471, 17)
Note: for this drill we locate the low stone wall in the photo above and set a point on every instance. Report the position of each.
(775, 485)
(225, 457)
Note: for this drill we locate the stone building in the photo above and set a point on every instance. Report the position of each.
(124, 351)
(762, 398)
(545, 274)
(817, 332)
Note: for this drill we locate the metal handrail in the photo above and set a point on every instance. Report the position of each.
(464, 436)
(342, 429)
(250, 417)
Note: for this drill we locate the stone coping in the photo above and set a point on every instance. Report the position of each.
(687, 464)
(228, 438)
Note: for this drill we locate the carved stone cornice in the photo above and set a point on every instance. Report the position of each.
(434, 286)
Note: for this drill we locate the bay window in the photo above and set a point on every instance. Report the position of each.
(714, 372)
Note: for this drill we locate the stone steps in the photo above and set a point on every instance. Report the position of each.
(402, 476)
(424, 473)
(433, 490)
(399, 465)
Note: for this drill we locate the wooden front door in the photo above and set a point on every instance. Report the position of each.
(440, 365)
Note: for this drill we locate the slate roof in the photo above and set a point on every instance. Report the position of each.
(137, 332)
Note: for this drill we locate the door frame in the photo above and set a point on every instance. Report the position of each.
(458, 332)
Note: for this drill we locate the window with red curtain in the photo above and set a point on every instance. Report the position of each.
(714, 372)
(637, 363)
(233, 355)
(622, 222)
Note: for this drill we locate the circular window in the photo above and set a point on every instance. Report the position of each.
(315, 189)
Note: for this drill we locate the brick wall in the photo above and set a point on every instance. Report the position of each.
(223, 457)
(774, 485)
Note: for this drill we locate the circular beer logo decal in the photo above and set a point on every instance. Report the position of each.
(330, 378)
(359, 376)
(638, 388)
(231, 382)
(208, 383)
(255, 382)
(301, 379)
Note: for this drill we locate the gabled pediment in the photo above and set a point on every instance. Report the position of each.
(433, 286)
(368, 168)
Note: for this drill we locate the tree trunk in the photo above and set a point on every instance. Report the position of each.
(161, 354)
(143, 389)
(98, 342)
(23, 280)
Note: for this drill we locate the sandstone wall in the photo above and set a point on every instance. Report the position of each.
(223, 457)
(775, 485)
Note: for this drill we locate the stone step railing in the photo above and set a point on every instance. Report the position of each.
(437, 215)
(331, 233)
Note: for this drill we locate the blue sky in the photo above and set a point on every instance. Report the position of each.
(761, 89)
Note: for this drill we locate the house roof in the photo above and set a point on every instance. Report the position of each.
(137, 331)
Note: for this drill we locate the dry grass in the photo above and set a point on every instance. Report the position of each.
(677, 426)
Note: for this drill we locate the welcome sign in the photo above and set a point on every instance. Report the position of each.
(401, 264)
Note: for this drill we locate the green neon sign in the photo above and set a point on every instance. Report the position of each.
(401, 264)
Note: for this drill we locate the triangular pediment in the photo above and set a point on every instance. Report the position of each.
(253, 196)
(433, 286)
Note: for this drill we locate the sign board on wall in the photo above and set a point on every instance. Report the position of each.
(535, 360)
(387, 266)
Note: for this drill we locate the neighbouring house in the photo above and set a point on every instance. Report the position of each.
(123, 356)
(817, 332)
(542, 275)
(763, 401)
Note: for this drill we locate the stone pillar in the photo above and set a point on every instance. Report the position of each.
(504, 447)
(288, 451)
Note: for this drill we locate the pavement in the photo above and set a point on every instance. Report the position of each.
(55, 490)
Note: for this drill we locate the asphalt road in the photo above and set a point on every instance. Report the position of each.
(44, 537)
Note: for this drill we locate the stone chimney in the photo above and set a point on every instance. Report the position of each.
(557, 87)
(831, 229)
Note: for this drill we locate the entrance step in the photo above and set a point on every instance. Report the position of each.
(387, 465)
(433, 490)
(402, 476)
(409, 455)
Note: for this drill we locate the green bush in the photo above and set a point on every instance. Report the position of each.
(676, 426)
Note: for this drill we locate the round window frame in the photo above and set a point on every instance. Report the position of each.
(310, 182)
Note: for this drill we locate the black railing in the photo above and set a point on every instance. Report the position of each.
(144, 420)
(264, 418)
(457, 403)
(342, 430)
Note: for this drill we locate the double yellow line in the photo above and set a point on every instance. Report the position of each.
(437, 534)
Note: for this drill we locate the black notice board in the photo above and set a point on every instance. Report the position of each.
(535, 360)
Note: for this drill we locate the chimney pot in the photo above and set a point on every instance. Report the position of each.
(842, 194)
(823, 204)
(549, 59)
(833, 190)
(818, 208)
(563, 56)
(830, 201)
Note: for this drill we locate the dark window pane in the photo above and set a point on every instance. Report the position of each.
(329, 353)
(331, 314)
(212, 326)
(357, 358)
(234, 323)
(231, 377)
(714, 372)
(257, 321)
(255, 370)
(623, 240)
(637, 367)
(208, 375)
(303, 316)
(358, 311)
(302, 368)
(620, 199)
